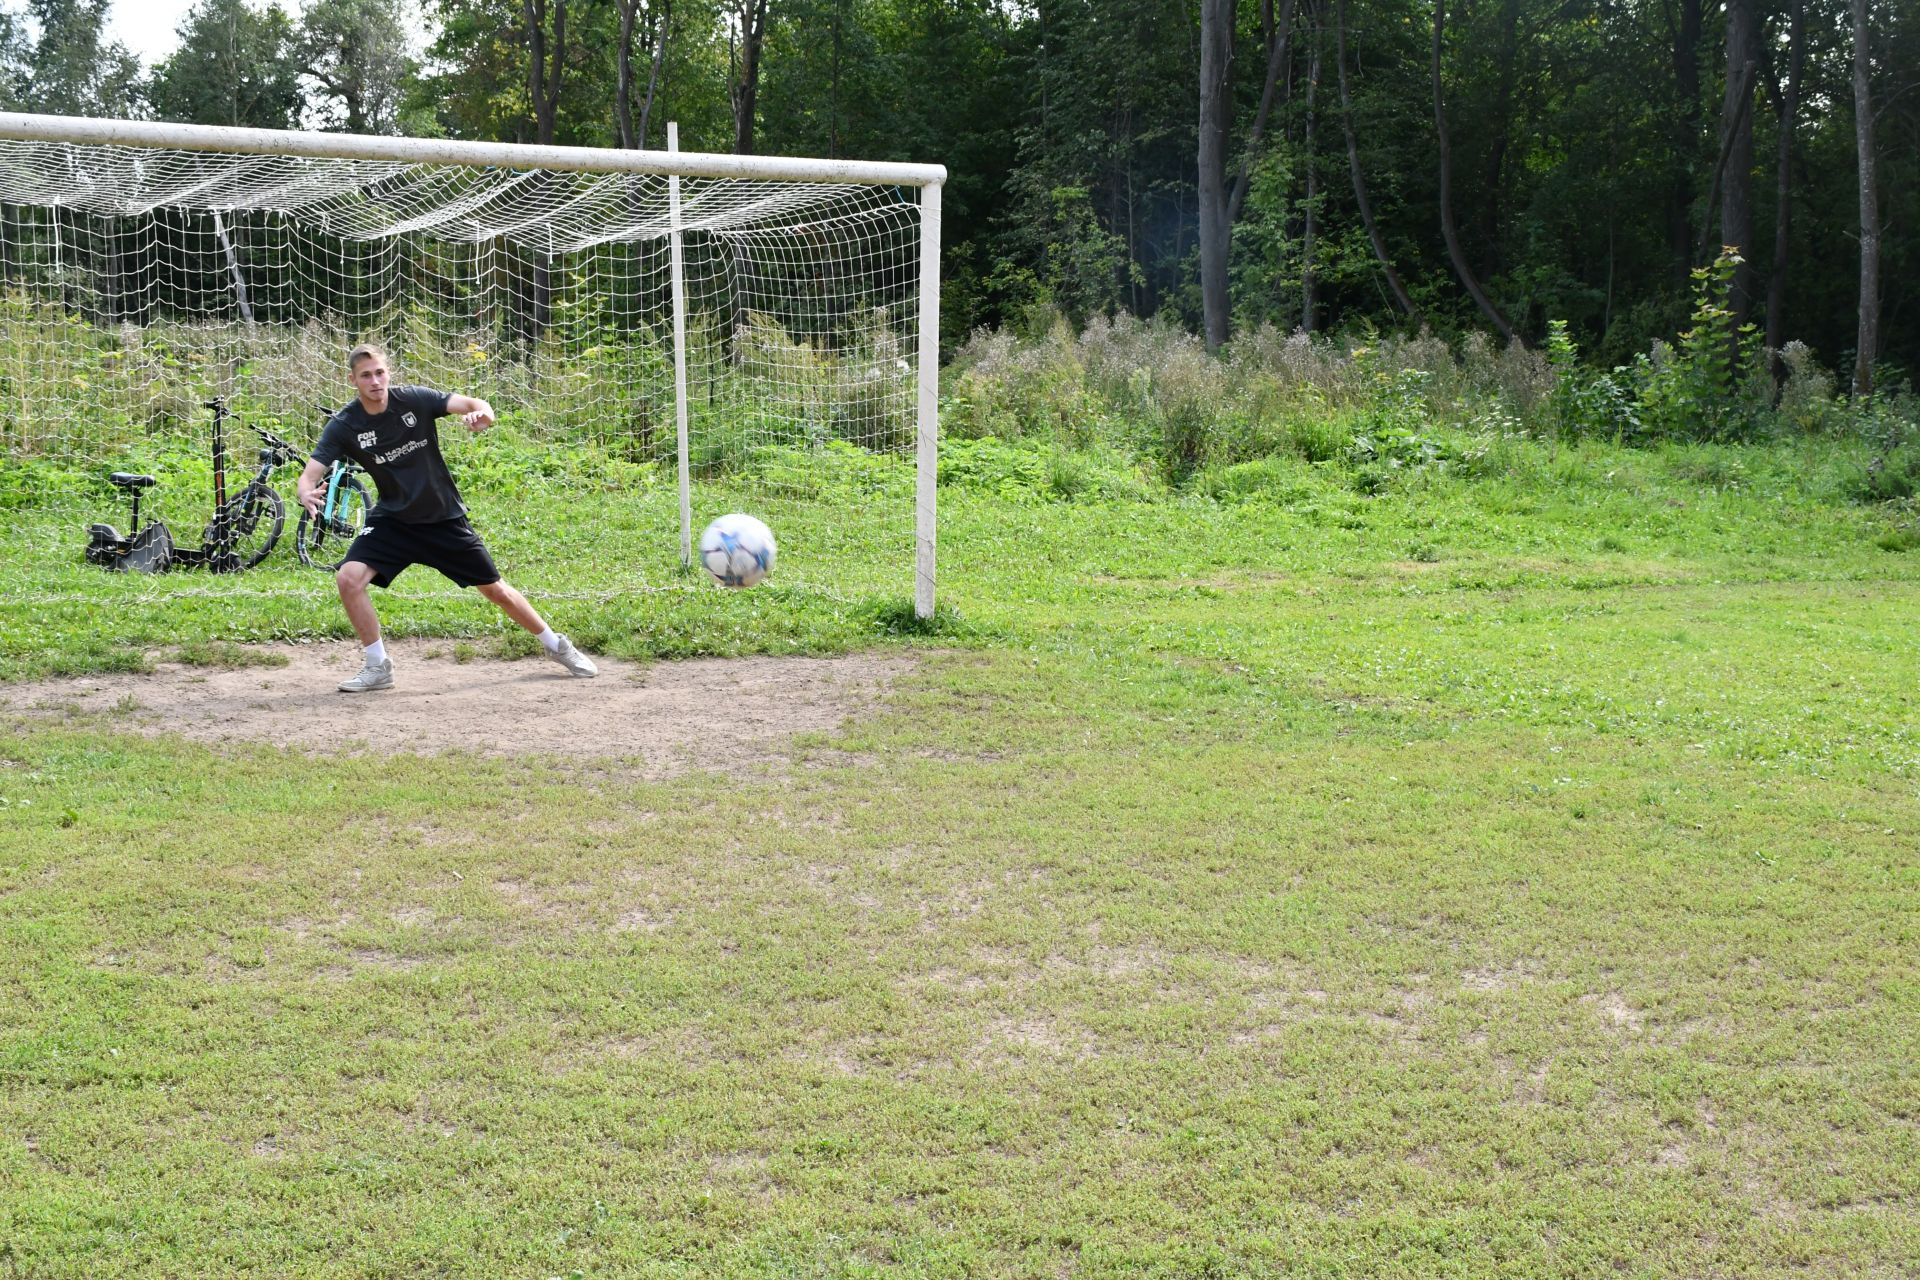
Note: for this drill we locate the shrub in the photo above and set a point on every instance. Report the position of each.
(1583, 401)
(1806, 396)
(1713, 385)
(1892, 475)
(33, 481)
(1279, 480)
(1316, 433)
(1903, 537)
(1442, 382)
(1298, 364)
(1030, 471)
(1002, 386)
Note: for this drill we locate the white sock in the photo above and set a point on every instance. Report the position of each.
(549, 640)
(377, 653)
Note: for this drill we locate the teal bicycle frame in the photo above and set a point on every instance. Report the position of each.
(333, 490)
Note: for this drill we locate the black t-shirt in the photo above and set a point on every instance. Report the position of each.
(400, 449)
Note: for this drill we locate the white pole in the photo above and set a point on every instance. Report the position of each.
(82, 131)
(679, 353)
(927, 443)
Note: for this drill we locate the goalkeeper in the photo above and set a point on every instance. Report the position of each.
(391, 433)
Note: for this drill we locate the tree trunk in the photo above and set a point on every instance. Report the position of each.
(1043, 68)
(1736, 171)
(659, 33)
(1216, 74)
(1703, 252)
(1134, 278)
(1400, 294)
(1311, 222)
(745, 90)
(1277, 32)
(623, 77)
(833, 98)
(1448, 230)
(536, 15)
(633, 137)
(1685, 32)
(1789, 100)
(543, 80)
(1867, 348)
(543, 89)
(1490, 219)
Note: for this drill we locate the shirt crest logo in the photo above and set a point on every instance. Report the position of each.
(408, 418)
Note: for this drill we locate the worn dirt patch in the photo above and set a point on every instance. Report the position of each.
(658, 719)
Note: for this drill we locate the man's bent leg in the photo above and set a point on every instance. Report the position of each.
(352, 580)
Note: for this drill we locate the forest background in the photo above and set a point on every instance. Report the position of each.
(1332, 166)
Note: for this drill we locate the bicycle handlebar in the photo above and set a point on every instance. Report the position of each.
(219, 406)
(275, 442)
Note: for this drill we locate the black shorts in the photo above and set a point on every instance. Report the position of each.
(451, 546)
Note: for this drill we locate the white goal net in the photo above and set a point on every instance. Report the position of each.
(785, 311)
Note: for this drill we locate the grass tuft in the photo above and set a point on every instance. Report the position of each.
(226, 655)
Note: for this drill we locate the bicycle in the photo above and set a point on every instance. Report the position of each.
(243, 529)
(247, 526)
(322, 541)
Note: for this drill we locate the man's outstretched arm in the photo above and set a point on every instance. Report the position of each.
(476, 413)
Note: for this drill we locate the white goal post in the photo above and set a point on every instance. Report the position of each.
(786, 309)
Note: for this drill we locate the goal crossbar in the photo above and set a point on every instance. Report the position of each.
(25, 127)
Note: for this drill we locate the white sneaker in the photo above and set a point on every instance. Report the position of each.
(576, 662)
(375, 675)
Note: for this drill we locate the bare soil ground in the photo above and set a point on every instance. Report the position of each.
(657, 718)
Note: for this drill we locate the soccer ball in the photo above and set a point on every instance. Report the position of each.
(737, 550)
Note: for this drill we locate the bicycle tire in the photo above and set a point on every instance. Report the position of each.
(249, 526)
(323, 544)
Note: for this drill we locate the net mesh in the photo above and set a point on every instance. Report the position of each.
(138, 284)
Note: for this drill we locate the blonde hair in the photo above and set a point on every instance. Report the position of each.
(365, 351)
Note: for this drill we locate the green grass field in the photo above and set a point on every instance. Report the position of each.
(1498, 877)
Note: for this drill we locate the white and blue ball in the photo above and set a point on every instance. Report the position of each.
(737, 550)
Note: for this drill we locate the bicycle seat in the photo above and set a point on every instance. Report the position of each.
(127, 480)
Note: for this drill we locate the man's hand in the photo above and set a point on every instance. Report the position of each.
(308, 489)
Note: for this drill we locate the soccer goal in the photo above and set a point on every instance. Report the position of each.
(665, 335)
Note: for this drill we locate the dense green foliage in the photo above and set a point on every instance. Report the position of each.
(1587, 142)
(1369, 411)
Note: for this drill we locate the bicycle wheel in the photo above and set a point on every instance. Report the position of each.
(323, 543)
(248, 526)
